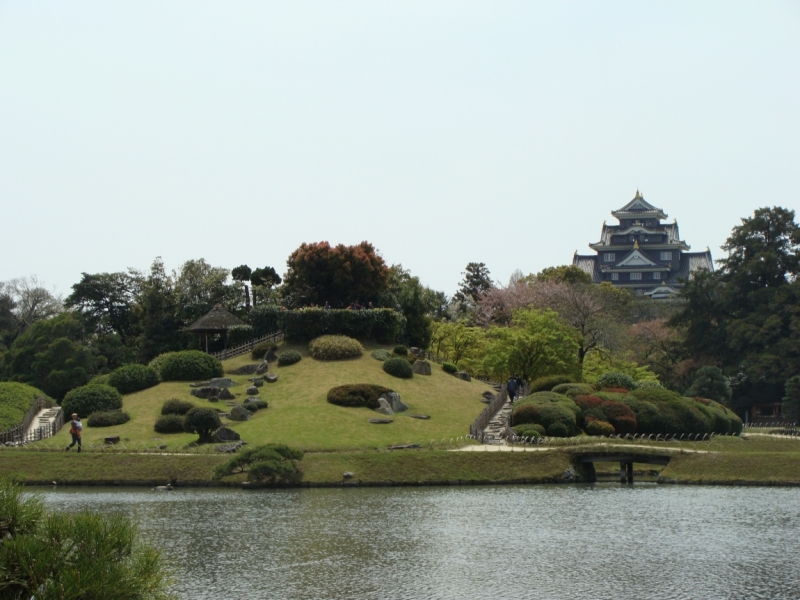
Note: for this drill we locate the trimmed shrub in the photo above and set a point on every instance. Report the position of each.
(596, 427)
(255, 404)
(587, 401)
(448, 367)
(398, 367)
(175, 406)
(381, 324)
(238, 335)
(615, 379)
(169, 424)
(355, 395)
(89, 399)
(573, 389)
(400, 351)
(108, 418)
(529, 430)
(546, 384)
(289, 357)
(15, 400)
(650, 385)
(99, 380)
(381, 354)
(662, 411)
(555, 412)
(620, 415)
(335, 347)
(132, 378)
(187, 365)
(202, 421)
(260, 350)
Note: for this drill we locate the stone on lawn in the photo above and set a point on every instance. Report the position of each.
(206, 392)
(221, 382)
(393, 398)
(381, 421)
(245, 369)
(384, 407)
(348, 475)
(225, 434)
(262, 368)
(488, 395)
(252, 391)
(463, 376)
(271, 377)
(229, 448)
(421, 367)
(225, 394)
(111, 439)
(239, 413)
(423, 417)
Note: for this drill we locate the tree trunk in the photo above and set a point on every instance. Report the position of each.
(246, 297)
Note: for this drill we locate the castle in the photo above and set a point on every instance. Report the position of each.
(642, 254)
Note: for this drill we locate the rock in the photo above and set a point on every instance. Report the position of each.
(245, 370)
(567, 476)
(393, 398)
(423, 417)
(206, 392)
(229, 448)
(488, 395)
(198, 384)
(225, 394)
(384, 407)
(417, 351)
(381, 421)
(252, 391)
(271, 355)
(271, 377)
(225, 434)
(421, 367)
(239, 413)
(404, 447)
(162, 447)
(463, 376)
(221, 382)
(262, 368)
(485, 400)
(348, 475)
(113, 439)
(213, 399)
(256, 381)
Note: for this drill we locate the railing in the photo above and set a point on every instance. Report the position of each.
(483, 420)
(17, 434)
(272, 338)
(44, 431)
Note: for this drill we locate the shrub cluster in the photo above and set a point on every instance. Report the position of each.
(170, 423)
(587, 401)
(449, 367)
(595, 427)
(175, 406)
(617, 380)
(89, 399)
(108, 418)
(239, 334)
(546, 384)
(255, 404)
(381, 354)
(356, 395)
(529, 430)
(557, 413)
(202, 421)
(188, 365)
(400, 351)
(335, 347)
(132, 378)
(398, 367)
(662, 411)
(260, 350)
(381, 324)
(620, 415)
(573, 389)
(289, 357)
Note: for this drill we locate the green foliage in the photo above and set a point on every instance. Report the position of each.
(381, 354)
(791, 401)
(598, 364)
(555, 412)
(357, 395)
(15, 400)
(101, 380)
(239, 334)
(260, 350)
(449, 367)
(304, 324)
(416, 303)
(255, 404)
(273, 463)
(661, 411)
(400, 351)
(547, 383)
(616, 380)
(398, 367)
(564, 274)
(537, 344)
(529, 430)
(108, 418)
(587, 401)
(477, 280)
(709, 382)
(335, 347)
(202, 421)
(175, 406)
(170, 423)
(458, 343)
(620, 415)
(188, 365)
(73, 555)
(573, 389)
(598, 427)
(289, 357)
(132, 378)
(89, 399)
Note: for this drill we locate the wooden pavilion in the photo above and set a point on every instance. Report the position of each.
(216, 321)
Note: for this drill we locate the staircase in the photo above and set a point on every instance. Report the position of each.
(493, 434)
(42, 424)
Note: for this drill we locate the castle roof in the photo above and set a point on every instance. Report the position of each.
(639, 208)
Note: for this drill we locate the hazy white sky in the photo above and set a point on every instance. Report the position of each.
(442, 132)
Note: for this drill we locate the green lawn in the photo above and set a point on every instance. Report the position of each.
(300, 416)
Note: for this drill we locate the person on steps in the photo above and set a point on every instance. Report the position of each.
(511, 386)
(76, 427)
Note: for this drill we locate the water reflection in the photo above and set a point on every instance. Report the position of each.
(602, 541)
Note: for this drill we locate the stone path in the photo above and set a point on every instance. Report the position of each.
(497, 426)
(44, 418)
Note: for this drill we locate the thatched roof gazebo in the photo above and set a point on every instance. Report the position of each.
(217, 320)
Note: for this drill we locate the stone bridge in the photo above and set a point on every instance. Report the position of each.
(625, 459)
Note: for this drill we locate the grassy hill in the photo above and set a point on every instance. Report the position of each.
(15, 400)
(300, 416)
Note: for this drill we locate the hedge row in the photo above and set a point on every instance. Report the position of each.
(188, 365)
(335, 347)
(302, 325)
(132, 378)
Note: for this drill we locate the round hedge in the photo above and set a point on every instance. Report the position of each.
(260, 350)
(133, 378)
(357, 395)
(448, 367)
(400, 351)
(555, 412)
(289, 357)
(616, 380)
(381, 354)
(529, 430)
(546, 384)
(398, 367)
(202, 421)
(255, 404)
(108, 418)
(175, 406)
(662, 411)
(188, 365)
(335, 347)
(587, 401)
(597, 427)
(169, 424)
(89, 399)
(573, 389)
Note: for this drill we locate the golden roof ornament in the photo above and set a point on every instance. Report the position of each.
(635, 244)
(638, 193)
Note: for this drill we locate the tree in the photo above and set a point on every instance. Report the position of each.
(82, 555)
(106, 301)
(273, 462)
(242, 274)
(318, 273)
(564, 274)
(791, 401)
(200, 287)
(709, 382)
(417, 303)
(23, 302)
(477, 280)
(203, 422)
(263, 280)
(537, 344)
(158, 316)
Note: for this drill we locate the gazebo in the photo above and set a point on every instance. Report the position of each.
(217, 320)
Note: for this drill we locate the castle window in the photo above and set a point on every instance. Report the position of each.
(608, 256)
(615, 277)
(636, 276)
(656, 275)
(666, 256)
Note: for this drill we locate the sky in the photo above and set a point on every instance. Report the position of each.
(441, 132)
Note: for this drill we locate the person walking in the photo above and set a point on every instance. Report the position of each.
(76, 427)
(520, 384)
(511, 386)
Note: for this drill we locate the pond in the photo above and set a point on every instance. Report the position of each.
(593, 541)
